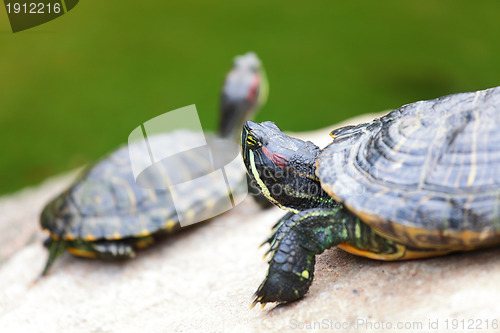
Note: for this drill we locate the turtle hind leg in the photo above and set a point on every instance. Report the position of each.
(114, 250)
(103, 249)
(293, 249)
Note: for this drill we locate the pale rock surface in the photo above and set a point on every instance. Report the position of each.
(202, 280)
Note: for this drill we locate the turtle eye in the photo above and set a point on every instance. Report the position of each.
(252, 141)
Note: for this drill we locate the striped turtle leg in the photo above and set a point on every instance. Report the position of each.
(297, 240)
(103, 249)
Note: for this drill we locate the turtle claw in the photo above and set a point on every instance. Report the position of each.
(271, 248)
(266, 254)
(256, 300)
(267, 241)
(276, 234)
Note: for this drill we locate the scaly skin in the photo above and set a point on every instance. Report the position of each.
(300, 237)
(284, 168)
(422, 176)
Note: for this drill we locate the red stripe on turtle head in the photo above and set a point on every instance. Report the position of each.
(252, 94)
(276, 158)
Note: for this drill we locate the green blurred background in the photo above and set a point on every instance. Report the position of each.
(73, 89)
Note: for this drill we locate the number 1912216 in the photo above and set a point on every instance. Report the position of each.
(470, 324)
(33, 8)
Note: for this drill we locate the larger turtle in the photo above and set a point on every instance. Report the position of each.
(105, 213)
(422, 181)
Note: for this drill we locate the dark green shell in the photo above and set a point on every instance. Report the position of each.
(106, 202)
(426, 174)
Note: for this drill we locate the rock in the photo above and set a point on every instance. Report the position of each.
(203, 280)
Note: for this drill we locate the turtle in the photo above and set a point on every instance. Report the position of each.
(105, 214)
(418, 182)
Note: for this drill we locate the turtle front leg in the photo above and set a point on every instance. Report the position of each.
(56, 249)
(293, 248)
(298, 238)
(101, 249)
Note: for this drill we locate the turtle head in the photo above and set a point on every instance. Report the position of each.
(244, 92)
(283, 167)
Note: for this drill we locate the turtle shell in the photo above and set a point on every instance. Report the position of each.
(426, 175)
(106, 202)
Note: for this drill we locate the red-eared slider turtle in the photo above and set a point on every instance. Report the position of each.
(106, 214)
(422, 181)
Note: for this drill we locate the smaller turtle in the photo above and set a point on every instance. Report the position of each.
(105, 214)
(422, 181)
